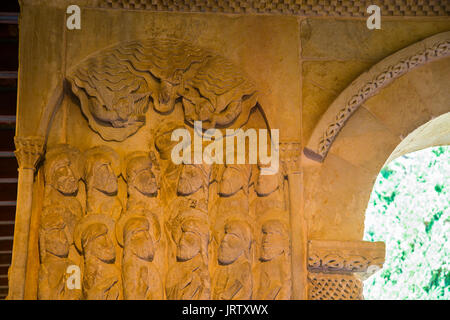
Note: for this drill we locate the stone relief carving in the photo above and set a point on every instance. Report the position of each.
(233, 276)
(101, 169)
(55, 238)
(142, 175)
(269, 191)
(62, 176)
(160, 246)
(193, 186)
(188, 277)
(232, 190)
(139, 234)
(274, 266)
(94, 238)
(117, 85)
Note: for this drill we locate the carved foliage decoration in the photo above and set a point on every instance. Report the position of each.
(117, 85)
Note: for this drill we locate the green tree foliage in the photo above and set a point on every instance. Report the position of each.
(409, 210)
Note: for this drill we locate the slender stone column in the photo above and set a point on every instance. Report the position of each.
(290, 158)
(28, 152)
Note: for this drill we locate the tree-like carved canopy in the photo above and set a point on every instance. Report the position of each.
(117, 86)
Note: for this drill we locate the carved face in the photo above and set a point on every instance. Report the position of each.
(266, 184)
(138, 239)
(189, 244)
(56, 242)
(233, 243)
(103, 178)
(64, 179)
(96, 242)
(273, 241)
(190, 180)
(145, 182)
(232, 181)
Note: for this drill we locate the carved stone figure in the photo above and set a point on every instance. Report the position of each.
(188, 278)
(94, 239)
(142, 177)
(233, 277)
(275, 272)
(269, 191)
(62, 175)
(170, 171)
(116, 86)
(139, 234)
(193, 186)
(101, 169)
(54, 244)
(233, 187)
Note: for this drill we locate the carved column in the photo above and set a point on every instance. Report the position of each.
(28, 152)
(290, 158)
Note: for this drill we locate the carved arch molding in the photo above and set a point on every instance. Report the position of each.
(140, 227)
(368, 85)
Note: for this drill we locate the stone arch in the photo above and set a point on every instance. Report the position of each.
(370, 84)
(381, 127)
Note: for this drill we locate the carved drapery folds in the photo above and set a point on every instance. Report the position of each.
(337, 268)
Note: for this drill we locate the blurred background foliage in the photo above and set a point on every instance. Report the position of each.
(409, 211)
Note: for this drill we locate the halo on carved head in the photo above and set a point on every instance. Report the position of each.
(245, 170)
(144, 215)
(138, 160)
(101, 152)
(62, 154)
(222, 221)
(84, 232)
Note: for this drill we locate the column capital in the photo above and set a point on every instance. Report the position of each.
(28, 151)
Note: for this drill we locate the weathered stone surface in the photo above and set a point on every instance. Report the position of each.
(365, 141)
(350, 39)
(322, 82)
(336, 196)
(99, 190)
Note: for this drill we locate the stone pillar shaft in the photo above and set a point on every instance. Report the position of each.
(28, 153)
(290, 158)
